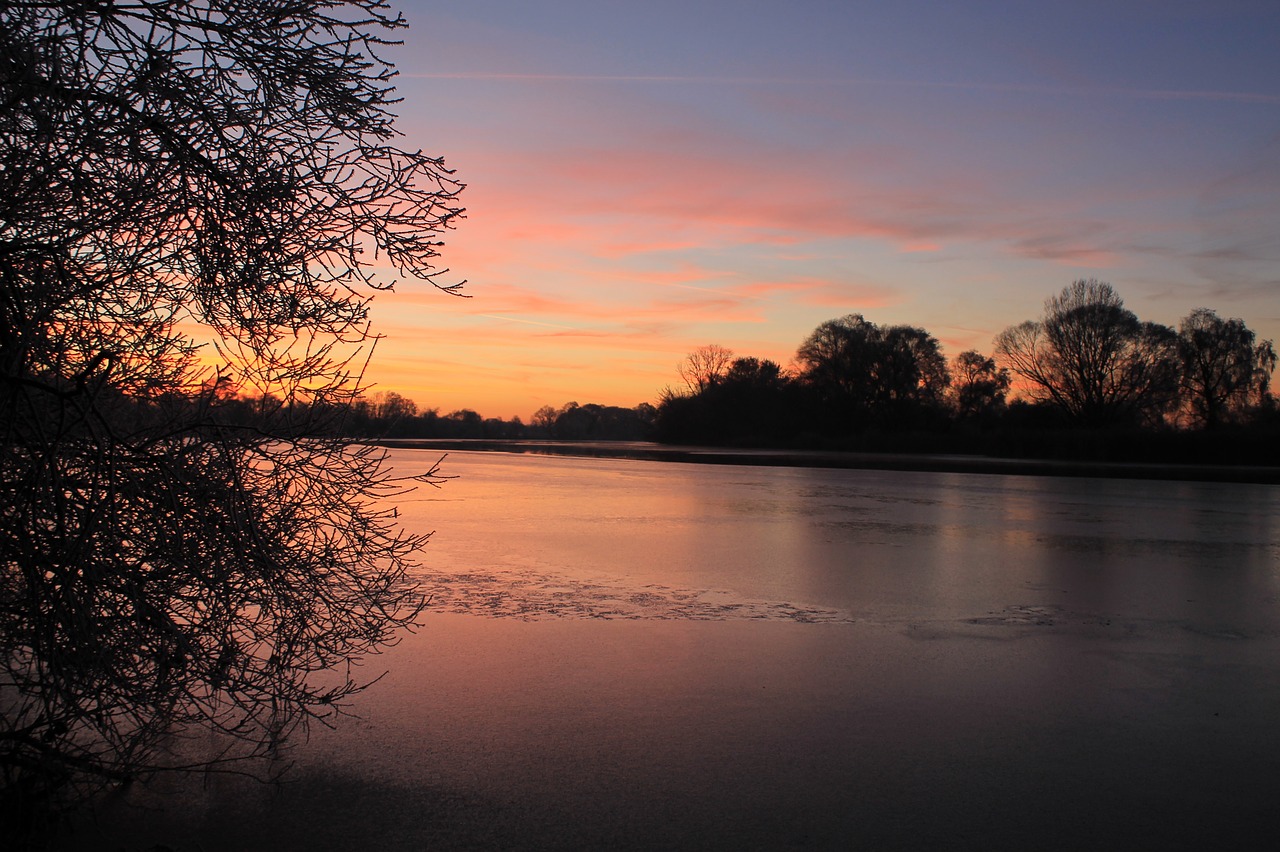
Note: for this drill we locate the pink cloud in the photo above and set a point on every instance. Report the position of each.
(681, 192)
(658, 295)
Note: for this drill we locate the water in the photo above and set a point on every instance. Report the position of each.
(628, 654)
(543, 536)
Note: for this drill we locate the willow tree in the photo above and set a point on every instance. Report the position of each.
(193, 196)
(1225, 370)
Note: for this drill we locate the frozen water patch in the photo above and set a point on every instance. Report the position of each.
(1021, 616)
(533, 596)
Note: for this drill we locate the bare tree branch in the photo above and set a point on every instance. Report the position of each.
(192, 198)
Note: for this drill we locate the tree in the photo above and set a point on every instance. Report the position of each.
(838, 359)
(757, 373)
(978, 386)
(866, 373)
(465, 423)
(755, 403)
(911, 369)
(175, 174)
(545, 417)
(704, 366)
(752, 403)
(594, 422)
(1093, 359)
(1224, 370)
(390, 405)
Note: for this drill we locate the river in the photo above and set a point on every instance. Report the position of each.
(648, 655)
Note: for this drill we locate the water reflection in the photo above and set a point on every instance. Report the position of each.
(560, 537)
(616, 659)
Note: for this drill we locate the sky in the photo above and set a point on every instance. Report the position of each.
(644, 178)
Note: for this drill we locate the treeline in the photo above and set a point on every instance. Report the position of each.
(1087, 380)
(390, 415)
(387, 414)
(1091, 380)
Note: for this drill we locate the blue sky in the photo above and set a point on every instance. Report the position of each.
(646, 178)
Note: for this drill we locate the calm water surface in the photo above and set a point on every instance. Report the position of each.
(845, 544)
(628, 654)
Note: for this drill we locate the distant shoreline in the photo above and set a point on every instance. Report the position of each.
(646, 451)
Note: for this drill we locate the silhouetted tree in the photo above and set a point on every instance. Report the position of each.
(753, 403)
(911, 372)
(755, 373)
(978, 385)
(497, 428)
(1093, 359)
(396, 415)
(647, 414)
(867, 374)
(390, 405)
(837, 363)
(704, 366)
(173, 172)
(592, 422)
(544, 418)
(427, 422)
(1224, 371)
(464, 423)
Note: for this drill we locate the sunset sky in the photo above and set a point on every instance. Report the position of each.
(646, 178)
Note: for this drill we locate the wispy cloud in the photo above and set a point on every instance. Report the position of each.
(524, 321)
(1078, 91)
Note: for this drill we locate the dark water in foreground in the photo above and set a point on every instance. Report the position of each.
(628, 654)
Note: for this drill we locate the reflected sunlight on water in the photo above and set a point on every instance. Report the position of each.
(639, 655)
(541, 536)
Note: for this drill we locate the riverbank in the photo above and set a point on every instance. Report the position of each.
(957, 463)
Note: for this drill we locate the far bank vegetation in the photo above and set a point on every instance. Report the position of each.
(1088, 379)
